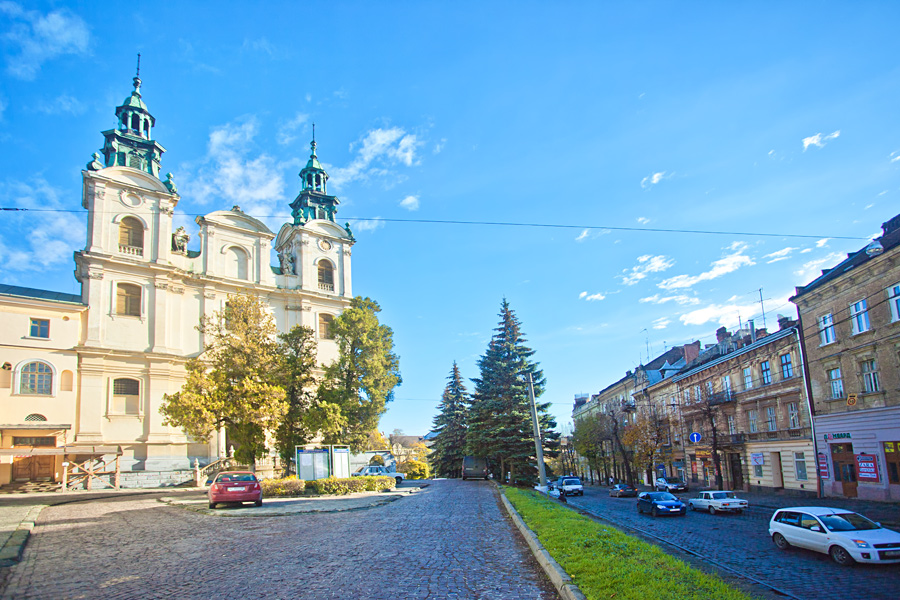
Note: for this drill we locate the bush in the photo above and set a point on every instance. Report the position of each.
(333, 486)
(287, 487)
(414, 469)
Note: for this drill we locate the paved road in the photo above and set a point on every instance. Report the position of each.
(742, 543)
(450, 540)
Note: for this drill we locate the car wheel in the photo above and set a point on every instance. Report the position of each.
(780, 542)
(212, 505)
(739, 511)
(399, 480)
(712, 509)
(654, 512)
(693, 506)
(840, 556)
(258, 502)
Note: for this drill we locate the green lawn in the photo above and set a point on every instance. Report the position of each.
(606, 563)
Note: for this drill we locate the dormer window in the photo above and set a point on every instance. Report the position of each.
(131, 237)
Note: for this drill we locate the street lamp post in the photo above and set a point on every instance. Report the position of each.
(538, 446)
(683, 443)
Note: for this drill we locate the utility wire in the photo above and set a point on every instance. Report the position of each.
(515, 224)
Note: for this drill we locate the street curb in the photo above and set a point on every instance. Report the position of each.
(560, 579)
(12, 550)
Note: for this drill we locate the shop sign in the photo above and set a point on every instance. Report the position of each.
(867, 468)
(837, 436)
(757, 458)
(823, 465)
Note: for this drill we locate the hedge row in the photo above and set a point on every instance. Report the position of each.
(331, 486)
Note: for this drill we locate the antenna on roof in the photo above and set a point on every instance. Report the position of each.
(139, 65)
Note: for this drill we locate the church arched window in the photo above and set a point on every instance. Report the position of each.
(36, 378)
(325, 332)
(131, 237)
(326, 276)
(128, 299)
(236, 263)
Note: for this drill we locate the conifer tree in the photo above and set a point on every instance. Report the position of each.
(499, 419)
(449, 445)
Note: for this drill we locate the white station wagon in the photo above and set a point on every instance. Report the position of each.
(715, 501)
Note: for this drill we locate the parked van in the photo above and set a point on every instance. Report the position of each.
(474, 467)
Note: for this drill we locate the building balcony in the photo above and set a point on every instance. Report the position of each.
(797, 433)
(131, 250)
(326, 287)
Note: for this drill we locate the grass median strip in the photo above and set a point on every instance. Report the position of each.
(606, 563)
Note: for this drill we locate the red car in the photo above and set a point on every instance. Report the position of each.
(235, 486)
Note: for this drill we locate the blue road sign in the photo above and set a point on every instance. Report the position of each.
(695, 437)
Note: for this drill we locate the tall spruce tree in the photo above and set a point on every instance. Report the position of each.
(449, 445)
(499, 420)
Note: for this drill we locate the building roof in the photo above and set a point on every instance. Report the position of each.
(772, 337)
(889, 239)
(24, 292)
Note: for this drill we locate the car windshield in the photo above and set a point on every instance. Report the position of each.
(240, 477)
(572, 481)
(662, 496)
(847, 522)
(723, 495)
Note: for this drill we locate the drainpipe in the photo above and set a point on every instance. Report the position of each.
(801, 341)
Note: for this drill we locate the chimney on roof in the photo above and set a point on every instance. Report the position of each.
(752, 331)
(691, 352)
(721, 334)
(761, 333)
(785, 322)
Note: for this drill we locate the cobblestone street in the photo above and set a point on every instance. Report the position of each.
(741, 542)
(450, 540)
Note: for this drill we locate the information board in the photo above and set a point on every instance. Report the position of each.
(867, 468)
(823, 466)
(312, 463)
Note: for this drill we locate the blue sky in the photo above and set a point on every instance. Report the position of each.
(726, 117)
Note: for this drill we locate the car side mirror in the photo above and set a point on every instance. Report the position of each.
(815, 528)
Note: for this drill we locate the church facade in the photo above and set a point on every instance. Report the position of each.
(85, 376)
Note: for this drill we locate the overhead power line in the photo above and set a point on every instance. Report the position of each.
(519, 224)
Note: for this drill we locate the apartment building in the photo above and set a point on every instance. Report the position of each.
(850, 318)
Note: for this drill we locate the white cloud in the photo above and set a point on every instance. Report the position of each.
(811, 269)
(643, 220)
(48, 238)
(2, 107)
(727, 315)
(410, 203)
(378, 149)
(260, 45)
(678, 298)
(822, 243)
(591, 233)
(61, 105)
(653, 179)
(439, 146)
(232, 173)
(591, 297)
(289, 131)
(646, 264)
(39, 38)
(661, 323)
(819, 140)
(367, 225)
(779, 255)
(895, 156)
(723, 266)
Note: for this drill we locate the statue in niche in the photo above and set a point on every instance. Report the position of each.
(95, 164)
(170, 184)
(179, 240)
(287, 263)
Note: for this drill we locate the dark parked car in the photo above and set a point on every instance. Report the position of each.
(660, 503)
(235, 486)
(623, 489)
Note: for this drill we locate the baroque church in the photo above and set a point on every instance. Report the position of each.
(83, 376)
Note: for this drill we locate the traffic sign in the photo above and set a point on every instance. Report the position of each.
(695, 437)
